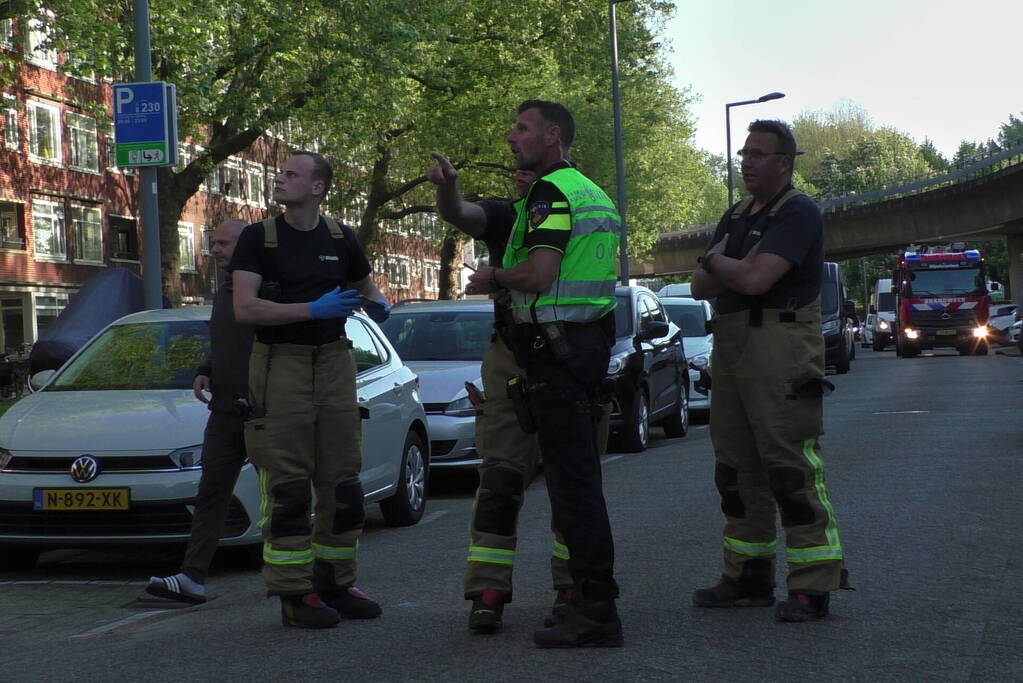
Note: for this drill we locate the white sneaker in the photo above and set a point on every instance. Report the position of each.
(177, 587)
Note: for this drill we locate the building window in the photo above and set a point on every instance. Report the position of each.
(44, 132)
(232, 179)
(87, 225)
(256, 190)
(7, 33)
(48, 307)
(12, 230)
(431, 276)
(48, 229)
(110, 146)
(37, 46)
(398, 271)
(84, 144)
(123, 238)
(12, 136)
(206, 244)
(186, 247)
(12, 310)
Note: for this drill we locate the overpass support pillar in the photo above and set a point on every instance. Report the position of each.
(1014, 247)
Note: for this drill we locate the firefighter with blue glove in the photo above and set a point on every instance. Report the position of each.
(297, 278)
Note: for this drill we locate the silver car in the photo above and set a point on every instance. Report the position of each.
(444, 342)
(692, 316)
(109, 451)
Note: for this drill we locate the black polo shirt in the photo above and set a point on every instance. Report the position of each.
(796, 233)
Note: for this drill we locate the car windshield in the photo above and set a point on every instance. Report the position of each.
(829, 297)
(439, 335)
(947, 281)
(161, 355)
(689, 318)
(886, 302)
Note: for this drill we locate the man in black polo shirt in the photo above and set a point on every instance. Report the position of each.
(765, 269)
(288, 274)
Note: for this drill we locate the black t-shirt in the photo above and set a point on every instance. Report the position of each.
(796, 233)
(308, 266)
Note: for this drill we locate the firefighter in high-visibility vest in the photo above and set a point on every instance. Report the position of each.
(765, 268)
(305, 430)
(509, 455)
(559, 270)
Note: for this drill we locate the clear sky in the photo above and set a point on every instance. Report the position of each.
(934, 69)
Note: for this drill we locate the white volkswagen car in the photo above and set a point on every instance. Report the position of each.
(109, 451)
(692, 316)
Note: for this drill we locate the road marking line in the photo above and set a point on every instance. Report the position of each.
(100, 630)
(611, 459)
(433, 516)
(902, 412)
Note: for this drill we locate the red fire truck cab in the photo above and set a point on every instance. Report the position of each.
(941, 300)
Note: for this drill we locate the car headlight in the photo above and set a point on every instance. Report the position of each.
(461, 407)
(617, 364)
(189, 458)
(701, 361)
(5, 457)
(912, 334)
(829, 326)
(980, 331)
(882, 325)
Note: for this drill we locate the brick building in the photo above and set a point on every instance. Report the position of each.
(67, 211)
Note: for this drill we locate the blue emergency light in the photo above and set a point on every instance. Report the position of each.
(972, 255)
(912, 256)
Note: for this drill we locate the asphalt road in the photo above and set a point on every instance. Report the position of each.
(924, 469)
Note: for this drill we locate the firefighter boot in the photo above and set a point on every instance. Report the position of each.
(590, 619)
(803, 606)
(348, 601)
(754, 588)
(307, 611)
(561, 599)
(486, 613)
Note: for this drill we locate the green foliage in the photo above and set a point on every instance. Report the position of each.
(883, 158)
(1011, 132)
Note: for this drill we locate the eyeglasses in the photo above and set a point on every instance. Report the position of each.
(756, 155)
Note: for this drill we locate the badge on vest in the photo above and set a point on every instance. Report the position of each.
(325, 257)
(538, 213)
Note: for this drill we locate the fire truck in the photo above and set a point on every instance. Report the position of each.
(941, 300)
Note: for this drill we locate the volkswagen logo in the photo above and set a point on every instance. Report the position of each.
(84, 469)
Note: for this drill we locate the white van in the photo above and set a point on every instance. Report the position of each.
(877, 329)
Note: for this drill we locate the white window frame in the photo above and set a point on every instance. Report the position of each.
(44, 208)
(7, 34)
(87, 219)
(255, 183)
(12, 133)
(398, 271)
(34, 107)
(59, 303)
(10, 217)
(82, 140)
(186, 247)
(431, 276)
(232, 170)
(206, 240)
(37, 34)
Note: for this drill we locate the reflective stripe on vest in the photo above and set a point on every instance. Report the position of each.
(286, 557)
(326, 552)
(491, 555)
(584, 288)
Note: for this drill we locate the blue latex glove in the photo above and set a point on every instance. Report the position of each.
(335, 304)
(377, 310)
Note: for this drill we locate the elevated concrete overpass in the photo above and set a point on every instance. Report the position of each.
(983, 201)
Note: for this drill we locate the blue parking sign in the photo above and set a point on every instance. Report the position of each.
(145, 124)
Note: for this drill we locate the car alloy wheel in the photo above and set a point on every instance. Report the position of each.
(408, 503)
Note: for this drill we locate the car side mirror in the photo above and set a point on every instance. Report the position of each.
(39, 380)
(652, 329)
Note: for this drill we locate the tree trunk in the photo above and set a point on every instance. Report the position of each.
(448, 286)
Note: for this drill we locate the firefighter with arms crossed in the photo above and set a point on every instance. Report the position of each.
(765, 269)
(559, 270)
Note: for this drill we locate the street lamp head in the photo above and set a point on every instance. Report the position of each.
(771, 96)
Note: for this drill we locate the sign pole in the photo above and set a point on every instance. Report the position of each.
(151, 274)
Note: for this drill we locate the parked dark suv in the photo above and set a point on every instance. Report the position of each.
(648, 375)
(837, 318)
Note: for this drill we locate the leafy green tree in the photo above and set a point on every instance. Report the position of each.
(882, 159)
(933, 157)
(1011, 132)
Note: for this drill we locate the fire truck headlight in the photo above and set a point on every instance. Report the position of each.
(980, 332)
(912, 334)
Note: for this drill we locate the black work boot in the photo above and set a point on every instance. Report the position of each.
(803, 606)
(352, 603)
(486, 613)
(590, 619)
(754, 588)
(561, 599)
(307, 611)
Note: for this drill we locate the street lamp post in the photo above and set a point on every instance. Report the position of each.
(728, 131)
(619, 154)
